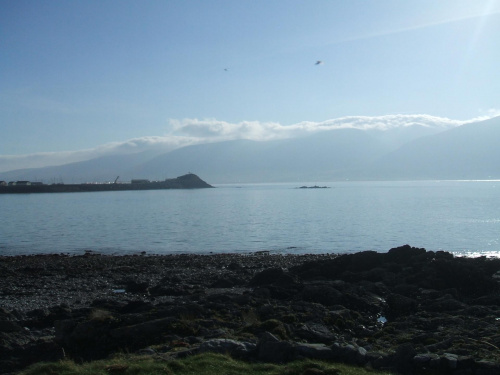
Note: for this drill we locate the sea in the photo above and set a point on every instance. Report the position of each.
(462, 217)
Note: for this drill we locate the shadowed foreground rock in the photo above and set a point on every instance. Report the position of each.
(408, 310)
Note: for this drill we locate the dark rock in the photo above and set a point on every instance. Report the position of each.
(274, 327)
(431, 303)
(133, 286)
(399, 305)
(324, 294)
(220, 298)
(237, 349)
(261, 292)
(137, 306)
(18, 352)
(349, 353)
(362, 302)
(161, 290)
(146, 351)
(405, 254)
(271, 349)
(445, 303)
(377, 274)
(108, 304)
(226, 282)
(484, 367)
(313, 351)
(441, 345)
(465, 362)
(426, 361)
(63, 329)
(404, 356)
(148, 331)
(315, 332)
(9, 326)
(215, 333)
(406, 290)
(266, 311)
(449, 361)
(362, 261)
(377, 360)
(488, 300)
(235, 266)
(272, 276)
(283, 292)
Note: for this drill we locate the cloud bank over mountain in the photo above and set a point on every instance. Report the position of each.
(223, 153)
(188, 132)
(263, 131)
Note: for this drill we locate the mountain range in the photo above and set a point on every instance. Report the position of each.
(469, 151)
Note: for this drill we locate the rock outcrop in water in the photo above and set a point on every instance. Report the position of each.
(409, 310)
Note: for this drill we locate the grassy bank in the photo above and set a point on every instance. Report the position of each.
(204, 364)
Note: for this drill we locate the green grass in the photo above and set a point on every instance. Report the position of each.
(204, 364)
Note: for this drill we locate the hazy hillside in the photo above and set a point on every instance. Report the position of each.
(469, 151)
(317, 157)
(105, 168)
(466, 152)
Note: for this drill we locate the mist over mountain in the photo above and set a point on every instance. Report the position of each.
(318, 156)
(101, 169)
(468, 151)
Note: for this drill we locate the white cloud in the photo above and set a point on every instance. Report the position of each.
(487, 113)
(222, 130)
(262, 131)
(193, 131)
(159, 143)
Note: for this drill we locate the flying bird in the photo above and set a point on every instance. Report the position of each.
(319, 62)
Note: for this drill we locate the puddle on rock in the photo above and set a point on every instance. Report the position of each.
(381, 319)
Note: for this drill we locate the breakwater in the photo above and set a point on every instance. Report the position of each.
(188, 181)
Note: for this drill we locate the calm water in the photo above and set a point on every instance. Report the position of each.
(458, 216)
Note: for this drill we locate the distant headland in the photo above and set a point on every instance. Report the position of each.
(187, 181)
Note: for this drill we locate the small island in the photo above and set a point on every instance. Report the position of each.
(187, 181)
(314, 187)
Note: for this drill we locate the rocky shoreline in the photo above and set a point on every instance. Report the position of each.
(408, 310)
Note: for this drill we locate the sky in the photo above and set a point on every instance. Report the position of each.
(79, 78)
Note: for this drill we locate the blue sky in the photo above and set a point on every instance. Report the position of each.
(76, 75)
